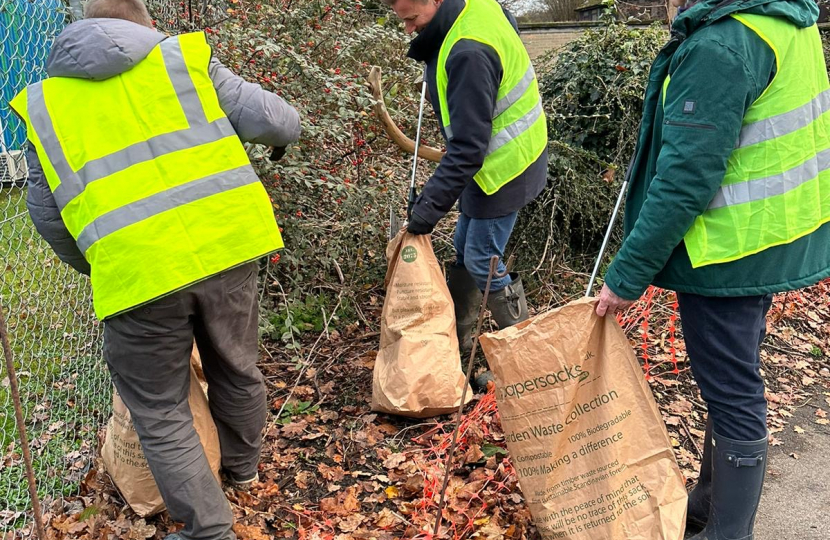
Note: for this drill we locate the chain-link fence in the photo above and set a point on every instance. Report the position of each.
(54, 336)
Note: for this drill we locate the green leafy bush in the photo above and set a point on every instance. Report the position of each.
(332, 192)
(592, 91)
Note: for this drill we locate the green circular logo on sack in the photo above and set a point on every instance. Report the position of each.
(409, 254)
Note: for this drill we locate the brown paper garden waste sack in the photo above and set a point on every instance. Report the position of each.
(591, 451)
(418, 370)
(125, 461)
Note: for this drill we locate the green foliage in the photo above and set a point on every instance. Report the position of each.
(490, 450)
(592, 92)
(593, 89)
(333, 190)
(295, 317)
(296, 408)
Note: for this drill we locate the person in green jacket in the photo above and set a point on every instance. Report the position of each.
(729, 203)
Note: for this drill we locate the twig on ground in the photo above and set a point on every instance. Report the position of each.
(307, 363)
(691, 438)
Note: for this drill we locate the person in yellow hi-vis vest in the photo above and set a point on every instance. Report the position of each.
(138, 177)
(485, 94)
(729, 203)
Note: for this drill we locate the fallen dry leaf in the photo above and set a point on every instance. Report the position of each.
(331, 474)
(328, 416)
(394, 460)
(798, 429)
(351, 523)
(302, 479)
(474, 454)
(294, 429)
(386, 518)
(140, 530)
(249, 532)
(344, 504)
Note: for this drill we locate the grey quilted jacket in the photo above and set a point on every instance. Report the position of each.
(98, 49)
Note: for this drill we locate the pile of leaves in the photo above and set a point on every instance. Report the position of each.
(332, 469)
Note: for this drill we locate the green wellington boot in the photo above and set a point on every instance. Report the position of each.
(508, 307)
(466, 297)
(700, 498)
(738, 469)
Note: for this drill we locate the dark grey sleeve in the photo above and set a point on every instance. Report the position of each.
(258, 116)
(47, 218)
(473, 75)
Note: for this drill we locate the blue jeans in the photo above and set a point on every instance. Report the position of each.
(723, 337)
(476, 240)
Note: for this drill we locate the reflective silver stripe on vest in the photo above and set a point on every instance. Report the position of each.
(171, 51)
(139, 152)
(512, 97)
(764, 188)
(163, 201)
(515, 129)
(517, 92)
(200, 132)
(45, 129)
(786, 123)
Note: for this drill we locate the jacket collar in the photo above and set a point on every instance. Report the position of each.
(428, 42)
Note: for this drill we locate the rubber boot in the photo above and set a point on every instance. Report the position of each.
(508, 307)
(697, 512)
(738, 469)
(466, 297)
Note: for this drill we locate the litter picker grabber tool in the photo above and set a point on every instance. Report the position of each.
(373, 81)
(494, 264)
(620, 197)
(607, 237)
(411, 198)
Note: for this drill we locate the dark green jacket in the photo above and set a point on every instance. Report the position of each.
(722, 67)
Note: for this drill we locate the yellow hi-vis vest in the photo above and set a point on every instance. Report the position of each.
(520, 133)
(777, 183)
(149, 175)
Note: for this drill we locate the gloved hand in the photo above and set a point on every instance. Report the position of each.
(418, 225)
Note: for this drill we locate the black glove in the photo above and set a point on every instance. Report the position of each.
(277, 153)
(418, 225)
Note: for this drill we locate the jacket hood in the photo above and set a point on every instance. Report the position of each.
(802, 13)
(98, 49)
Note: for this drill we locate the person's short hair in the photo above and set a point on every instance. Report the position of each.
(129, 10)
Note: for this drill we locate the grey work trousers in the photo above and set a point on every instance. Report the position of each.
(148, 351)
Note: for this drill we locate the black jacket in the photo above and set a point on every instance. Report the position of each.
(474, 73)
